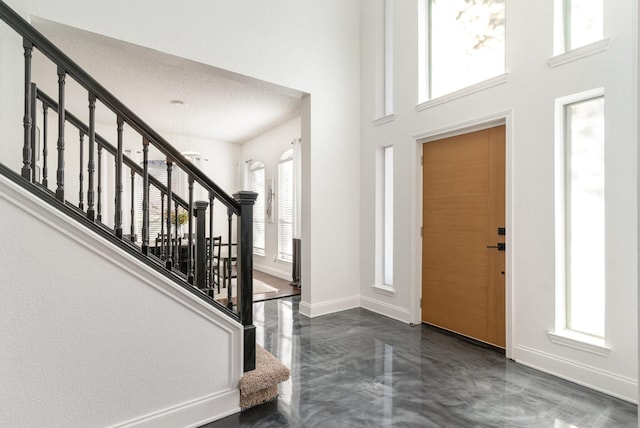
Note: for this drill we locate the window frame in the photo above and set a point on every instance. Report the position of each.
(563, 28)
(258, 208)
(426, 60)
(563, 334)
(285, 159)
(384, 221)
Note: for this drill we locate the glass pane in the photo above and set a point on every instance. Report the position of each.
(388, 215)
(467, 43)
(585, 216)
(584, 22)
(285, 210)
(256, 184)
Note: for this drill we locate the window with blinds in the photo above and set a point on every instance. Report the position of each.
(285, 206)
(256, 184)
(157, 169)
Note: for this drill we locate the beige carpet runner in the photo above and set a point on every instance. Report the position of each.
(261, 385)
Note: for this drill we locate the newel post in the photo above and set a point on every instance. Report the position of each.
(200, 212)
(245, 275)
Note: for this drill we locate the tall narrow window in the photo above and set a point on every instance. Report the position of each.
(466, 43)
(584, 214)
(388, 57)
(388, 215)
(285, 206)
(384, 220)
(256, 184)
(582, 22)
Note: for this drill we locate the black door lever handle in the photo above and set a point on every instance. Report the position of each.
(500, 246)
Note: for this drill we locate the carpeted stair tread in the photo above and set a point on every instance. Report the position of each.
(261, 385)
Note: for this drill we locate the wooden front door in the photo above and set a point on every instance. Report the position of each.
(463, 278)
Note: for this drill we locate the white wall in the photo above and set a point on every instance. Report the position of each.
(94, 338)
(526, 103)
(12, 100)
(311, 46)
(267, 148)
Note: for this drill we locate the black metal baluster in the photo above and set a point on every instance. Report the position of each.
(176, 244)
(229, 270)
(45, 170)
(169, 260)
(163, 255)
(145, 196)
(190, 267)
(119, 157)
(81, 177)
(61, 119)
(34, 114)
(91, 167)
(212, 281)
(26, 150)
(133, 205)
(99, 182)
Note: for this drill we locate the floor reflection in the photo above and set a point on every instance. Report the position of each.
(359, 369)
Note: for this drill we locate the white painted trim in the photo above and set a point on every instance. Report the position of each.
(580, 341)
(579, 53)
(484, 122)
(481, 86)
(272, 271)
(386, 309)
(473, 125)
(612, 384)
(384, 119)
(193, 413)
(304, 309)
(52, 217)
(329, 307)
(383, 289)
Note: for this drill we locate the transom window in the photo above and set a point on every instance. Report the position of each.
(580, 22)
(466, 43)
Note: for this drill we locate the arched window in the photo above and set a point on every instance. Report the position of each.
(285, 206)
(256, 184)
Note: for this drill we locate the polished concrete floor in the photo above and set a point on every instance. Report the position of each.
(360, 369)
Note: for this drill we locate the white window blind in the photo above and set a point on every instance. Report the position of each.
(285, 206)
(256, 184)
(157, 169)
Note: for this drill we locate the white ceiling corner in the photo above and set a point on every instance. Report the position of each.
(219, 105)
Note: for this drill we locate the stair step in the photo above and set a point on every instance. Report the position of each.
(260, 386)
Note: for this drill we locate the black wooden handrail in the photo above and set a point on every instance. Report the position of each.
(51, 103)
(59, 58)
(240, 205)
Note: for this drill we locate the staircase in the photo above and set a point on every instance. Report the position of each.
(177, 263)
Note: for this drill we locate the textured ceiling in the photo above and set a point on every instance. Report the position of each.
(218, 105)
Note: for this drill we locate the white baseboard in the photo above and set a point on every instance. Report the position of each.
(190, 414)
(286, 275)
(329, 307)
(382, 308)
(601, 380)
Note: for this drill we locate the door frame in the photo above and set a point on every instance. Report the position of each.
(480, 123)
